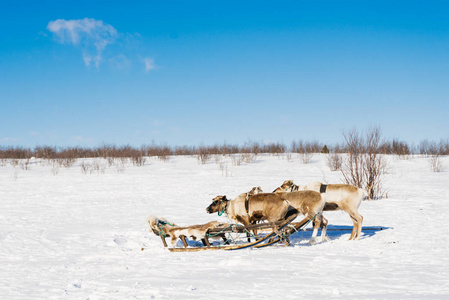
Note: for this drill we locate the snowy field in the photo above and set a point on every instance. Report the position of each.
(69, 234)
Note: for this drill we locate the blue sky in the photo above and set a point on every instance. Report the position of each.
(86, 73)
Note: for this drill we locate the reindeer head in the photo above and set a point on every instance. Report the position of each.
(219, 204)
(158, 225)
(285, 186)
(255, 190)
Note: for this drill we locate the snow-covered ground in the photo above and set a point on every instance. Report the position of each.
(74, 235)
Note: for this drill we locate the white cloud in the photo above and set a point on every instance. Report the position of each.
(87, 59)
(8, 139)
(80, 138)
(149, 64)
(120, 62)
(92, 35)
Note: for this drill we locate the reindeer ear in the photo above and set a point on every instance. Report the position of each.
(224, 198)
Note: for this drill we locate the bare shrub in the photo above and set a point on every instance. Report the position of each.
(93, 167)
(67, 162)
(161, 152)
(203, 155)
(224, 169)
(352, 168)
(444, 147)
(45, 152)
(427, 147)
(164, 158)
(436, 165)
(218, 159)
(236, 160)
(334, 161)
(138, 160)
(14, 162)
(85, 167)
(400, 148)
(273, 148)
(374, 164)
(396, 147)
(255, 148)
(363, 166)
(110, 161)
(25, 165)
(306, 150)
(248, 157)
(97, 167)
(239, 159)
(305, 157)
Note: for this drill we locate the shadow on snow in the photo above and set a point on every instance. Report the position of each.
(335, 232)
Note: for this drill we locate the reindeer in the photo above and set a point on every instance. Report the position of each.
(338, 197)
(254, 191)
(247, 209)
(164, 228)
(310, 204)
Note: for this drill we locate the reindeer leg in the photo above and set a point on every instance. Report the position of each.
(255, 234)
(163, 241)
(223, 236)
(316, 225)
(359, 226)
(248, 235)
(354, 229)
(357, 220)
(324, 223)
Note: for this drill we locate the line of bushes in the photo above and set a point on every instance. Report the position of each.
(394, 146)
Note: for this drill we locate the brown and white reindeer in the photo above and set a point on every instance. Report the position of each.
(310, 204)
(343, 197)
(163, 228)
(289, 186)
(248, 209)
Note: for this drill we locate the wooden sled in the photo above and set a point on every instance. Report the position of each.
(236, 234)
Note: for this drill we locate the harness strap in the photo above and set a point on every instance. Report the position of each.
(323, 188)
(220, 213)
(160, 225)
(247, 203)
(165, 223)
(292, 188)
